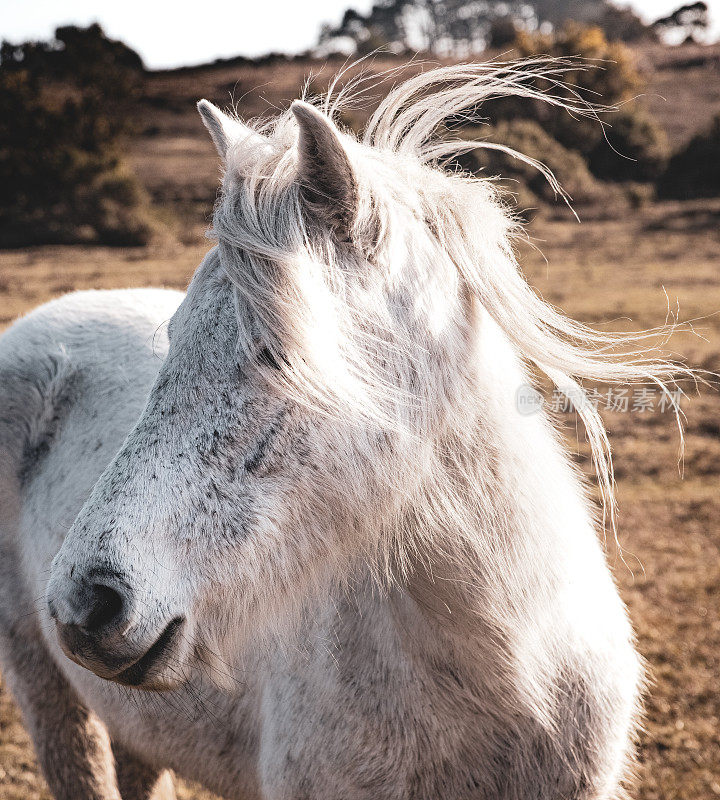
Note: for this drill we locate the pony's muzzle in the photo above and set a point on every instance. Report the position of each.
(95, 628)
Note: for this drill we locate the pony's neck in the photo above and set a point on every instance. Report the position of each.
(506, 511)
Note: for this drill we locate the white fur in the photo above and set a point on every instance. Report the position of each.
(389, 580)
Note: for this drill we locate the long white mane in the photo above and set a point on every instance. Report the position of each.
(262, 231)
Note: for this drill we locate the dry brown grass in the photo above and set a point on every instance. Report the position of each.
(669, 527)
(610, 269)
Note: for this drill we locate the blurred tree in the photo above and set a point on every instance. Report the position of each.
(466, 27)
(446, 27)
(692, 19)
(606, 73)
(558, 12)
(694, 171)
(62, 113)
(105, 71)
(502, 33)
(624, 25)
(528, 138)
(635, 147)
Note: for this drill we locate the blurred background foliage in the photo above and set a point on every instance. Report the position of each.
(65, 107)
(70, 107)
(694, 170)
(623, 147)
(463, 28)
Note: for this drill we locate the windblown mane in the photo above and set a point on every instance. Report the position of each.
(262, 233)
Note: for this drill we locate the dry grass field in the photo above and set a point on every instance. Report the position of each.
(604, 271)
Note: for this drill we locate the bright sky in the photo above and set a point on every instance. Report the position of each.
(168, 34)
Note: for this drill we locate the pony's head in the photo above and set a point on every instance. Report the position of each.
(327, 350)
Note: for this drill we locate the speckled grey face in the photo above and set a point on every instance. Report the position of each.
(259, 469)
(224, 497)
(120, 585)
(171, 539)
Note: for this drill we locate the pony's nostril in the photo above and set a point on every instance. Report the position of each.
(105, 607)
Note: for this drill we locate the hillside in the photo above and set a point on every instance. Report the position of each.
(177, 163)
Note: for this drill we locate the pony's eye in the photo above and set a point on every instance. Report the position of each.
(266, 357)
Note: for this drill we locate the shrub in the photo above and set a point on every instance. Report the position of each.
(86, 59)
(60, 169)
(528, 138)
(607, 75)
(694, 171)
(635, 148)
(623, 24)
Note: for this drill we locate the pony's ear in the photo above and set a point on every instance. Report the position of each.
(325, 176)
(224, 129)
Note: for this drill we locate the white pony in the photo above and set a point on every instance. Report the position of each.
(311, 516)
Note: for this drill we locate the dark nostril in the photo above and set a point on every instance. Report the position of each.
(105, 607)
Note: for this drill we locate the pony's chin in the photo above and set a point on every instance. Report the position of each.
(161, 667)
(156, 683)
